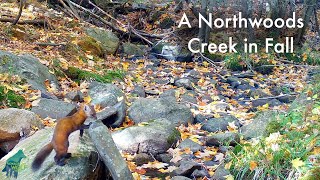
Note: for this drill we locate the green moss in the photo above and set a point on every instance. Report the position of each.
(273, 126)
(89, 44)
(174, 136)
(264, 66)
(10, 98)
(234, 62)
(78, 74)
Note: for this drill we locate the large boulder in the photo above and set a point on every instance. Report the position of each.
(14, 124)
(144, 110)
(154, 137)
(53, 108)
(79, 166)
(109, 95)
(27, 67)
(108, 40)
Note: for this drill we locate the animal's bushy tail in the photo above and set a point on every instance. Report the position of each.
(41, 156)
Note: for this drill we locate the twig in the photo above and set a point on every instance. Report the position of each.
(209, 60)
(68, 9)
(40, 22)
(20, 12)
(49, 44)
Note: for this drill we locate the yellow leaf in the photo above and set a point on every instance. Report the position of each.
(253, 165)
(229, 177)
(296, 163)
(228, 165)
(87, 99)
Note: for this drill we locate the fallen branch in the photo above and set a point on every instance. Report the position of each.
(39, 22)
(49, 44)
(271, 97)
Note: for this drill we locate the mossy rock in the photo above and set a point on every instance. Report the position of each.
(108, 40)
(10, 98)
(90, 44)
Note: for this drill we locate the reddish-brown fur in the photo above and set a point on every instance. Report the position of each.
(60, 142)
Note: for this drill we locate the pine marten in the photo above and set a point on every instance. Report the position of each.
(63, 129)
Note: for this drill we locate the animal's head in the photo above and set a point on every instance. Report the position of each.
(90, 111)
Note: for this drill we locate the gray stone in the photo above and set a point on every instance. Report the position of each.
(219, 124)
(53, 108)
(108, 95)
(188, 143)
(132, 49)
(27, 67)
(229, 138)
(200, 173)
(105, 145)
(184, 82)
(258, 93)
(220, 173)
(166, 157)
(109, 41)
(180, 178)
(76, 96)
(138, 91)
(186, 168)
(144, 110)
(142, 158)
(154, 137)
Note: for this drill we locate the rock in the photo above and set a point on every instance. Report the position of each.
(187, 98)
(200, 118)
(188, 143)
(108, 40)
(259, 102)
(155, 137)
(300, 102)
(76, 167)
(219, 139)
(172, 52)
(274, 102)
(29, 68)
(89, 44)
(142, 158)
(186, 168)
(76, 96)
(286, 98)
(180, 178)
(108, 95)
(162, 81)
(200, 173)
(108, 151)
(168, 93)
(165, 157)
(194, 74)
(220, 173)
(258, 93)
(16, 124)
(144, 110)
(106, 113)
(211, 163)
(132, 49)
(184, 82)
(53, 108)
(166, 23)
(234, 81)
(259, 125)
(138, 91)
(244, 87)
(219, 124)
